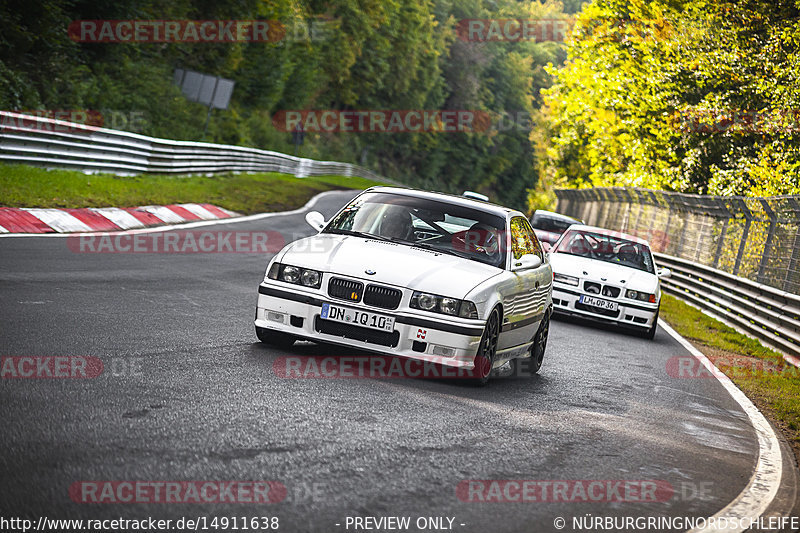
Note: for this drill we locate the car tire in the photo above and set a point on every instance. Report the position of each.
(487, 349)
(540, 343)
(274, 338)
(651, 333)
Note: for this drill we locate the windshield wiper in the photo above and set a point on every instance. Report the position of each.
(361, 234)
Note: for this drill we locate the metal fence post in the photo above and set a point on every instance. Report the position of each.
(765, 256)
(721, 242)
(743, 242)
(794, 262)
(669, 219)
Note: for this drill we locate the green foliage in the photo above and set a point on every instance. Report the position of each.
(659, 94)
(370, 54)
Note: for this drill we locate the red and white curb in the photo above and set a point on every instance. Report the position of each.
(93, 219)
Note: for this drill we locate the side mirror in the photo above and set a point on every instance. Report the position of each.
(526, 262)
(315, 220)
(663, 272)
(546, 247)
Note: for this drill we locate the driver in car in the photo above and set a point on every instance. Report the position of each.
(396, 223)
(629, 256)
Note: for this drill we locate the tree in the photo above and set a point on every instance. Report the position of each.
(682, 95)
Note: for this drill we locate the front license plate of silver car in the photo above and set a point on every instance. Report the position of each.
(357, 317)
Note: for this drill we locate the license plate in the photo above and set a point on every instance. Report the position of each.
(364, 319)
(597, 302)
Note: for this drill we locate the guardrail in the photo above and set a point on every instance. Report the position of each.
(42, 141)
(766, 313)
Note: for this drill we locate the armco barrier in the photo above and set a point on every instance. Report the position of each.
(41, 141)
(768, 314)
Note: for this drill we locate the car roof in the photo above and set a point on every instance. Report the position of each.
(488, 207)
(606, 231)
(552, 214)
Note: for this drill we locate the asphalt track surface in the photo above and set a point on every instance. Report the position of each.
(187, 393)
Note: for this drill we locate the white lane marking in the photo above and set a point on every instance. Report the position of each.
(189, 225)
(200, 211)
(59, 220)
(164, 213)
(757, 496)
(118, 216)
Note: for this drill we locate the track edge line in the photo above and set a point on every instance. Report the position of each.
(758, 495)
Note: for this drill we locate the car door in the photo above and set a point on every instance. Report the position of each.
(524, 294)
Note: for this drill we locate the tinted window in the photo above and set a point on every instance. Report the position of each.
(553, 225)
(608, 248)
(426, 223)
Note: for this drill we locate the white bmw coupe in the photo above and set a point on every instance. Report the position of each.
(608, 276)
(429, 276)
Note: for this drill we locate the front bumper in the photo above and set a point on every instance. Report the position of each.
(640, 315)
(443, 340)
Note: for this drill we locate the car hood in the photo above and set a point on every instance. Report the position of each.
(393, 264)
(618, 275)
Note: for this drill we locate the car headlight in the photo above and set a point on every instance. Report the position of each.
(310, 278)
(424, 301)
(443, 304)
(296, 275)
(449, 306)
(642, 296)
(290, 274)
(569, 280)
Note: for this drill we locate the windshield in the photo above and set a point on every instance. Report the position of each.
(430, 224)
(551, 224)
(608, 248)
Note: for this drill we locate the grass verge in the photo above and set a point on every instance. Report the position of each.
(771, 383)
(26, 186)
